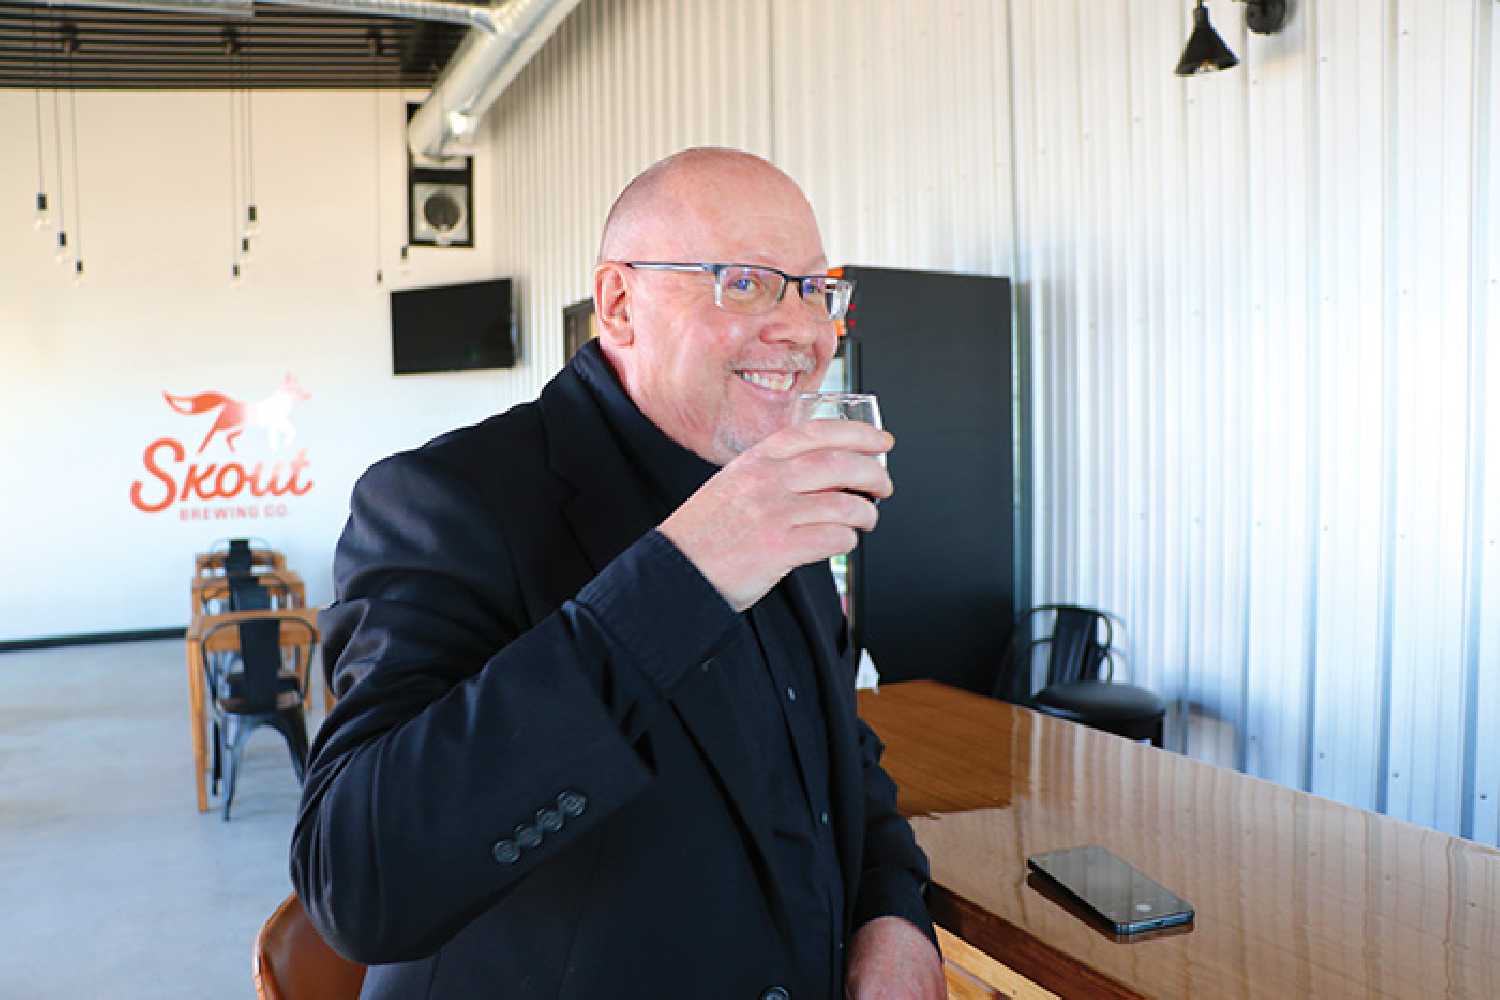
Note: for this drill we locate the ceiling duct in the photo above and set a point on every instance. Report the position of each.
(501, 41)
(487, 60)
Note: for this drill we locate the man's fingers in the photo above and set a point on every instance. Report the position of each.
(838, 507)
(816, 542)
(819, 471)
(793, 499)
(845, 435)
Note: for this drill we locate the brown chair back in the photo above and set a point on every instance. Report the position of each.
(216, 563)
(291, 961)
(285, 587)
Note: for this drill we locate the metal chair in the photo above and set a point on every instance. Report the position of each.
(1074, 689)
(264, 690)
(255, 543)
(291, 961)
(217, 560)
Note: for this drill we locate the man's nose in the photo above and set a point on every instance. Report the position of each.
(792, 321)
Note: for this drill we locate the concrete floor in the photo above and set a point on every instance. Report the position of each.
(112, 884)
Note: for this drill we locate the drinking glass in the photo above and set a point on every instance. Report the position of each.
(861, 406)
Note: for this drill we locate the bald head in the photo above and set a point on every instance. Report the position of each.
(715, 379)
(683, 194)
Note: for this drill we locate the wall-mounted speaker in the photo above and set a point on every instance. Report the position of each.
(440, 213)
(440, 199)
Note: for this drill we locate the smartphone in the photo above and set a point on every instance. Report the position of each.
(1126, 899)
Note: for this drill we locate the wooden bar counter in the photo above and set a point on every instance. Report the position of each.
(1296, 896)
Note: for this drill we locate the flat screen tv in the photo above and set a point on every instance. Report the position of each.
(452, 328)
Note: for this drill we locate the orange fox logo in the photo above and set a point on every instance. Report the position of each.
(273, 413)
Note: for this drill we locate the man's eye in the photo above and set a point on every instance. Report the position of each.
(744, 283)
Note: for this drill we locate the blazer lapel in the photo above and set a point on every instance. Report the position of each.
(611, 509)
(704, 706)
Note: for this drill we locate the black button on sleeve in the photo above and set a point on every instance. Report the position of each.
(506, 852)
(572, 803)
(549, 820)
(776, 993)
(528, 836)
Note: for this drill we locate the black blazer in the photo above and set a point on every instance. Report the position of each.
(532, 784)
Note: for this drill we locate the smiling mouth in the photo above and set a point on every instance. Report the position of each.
(774, 381)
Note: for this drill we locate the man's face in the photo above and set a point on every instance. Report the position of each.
(715, 381)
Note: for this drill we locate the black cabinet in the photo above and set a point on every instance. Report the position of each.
(933, 587)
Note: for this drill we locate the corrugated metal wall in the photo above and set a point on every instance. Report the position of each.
(1259, 307)
(1255, 309)
(621, 85)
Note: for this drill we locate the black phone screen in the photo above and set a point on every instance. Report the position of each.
(1124, 897)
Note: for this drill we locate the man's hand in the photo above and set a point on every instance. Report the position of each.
(891, 960)
(789, 501)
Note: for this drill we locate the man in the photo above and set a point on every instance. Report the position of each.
(596, 734)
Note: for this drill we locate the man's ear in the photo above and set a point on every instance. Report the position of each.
(612, 305)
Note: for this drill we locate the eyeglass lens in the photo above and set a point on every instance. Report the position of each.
(758, 289)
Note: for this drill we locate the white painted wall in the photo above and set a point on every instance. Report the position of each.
(82, 367)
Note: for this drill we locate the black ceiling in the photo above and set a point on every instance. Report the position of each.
(279, 47)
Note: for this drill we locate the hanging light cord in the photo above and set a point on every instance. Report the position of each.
(249, 117)
(77, 191)
(36, 60)
(375, 91)
(399, 86)
(62, 208)
(234, 178)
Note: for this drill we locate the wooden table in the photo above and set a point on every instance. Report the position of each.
(1296, 896)
(203, 589)
(197, 692)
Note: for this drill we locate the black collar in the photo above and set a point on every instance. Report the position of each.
(672, 472)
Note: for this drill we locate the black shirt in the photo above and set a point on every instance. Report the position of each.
(772, 674)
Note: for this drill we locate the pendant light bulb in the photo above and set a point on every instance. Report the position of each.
(252, 220)
(61, 256)
(43, 218)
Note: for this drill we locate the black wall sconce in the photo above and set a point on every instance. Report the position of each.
(1206, 52)
(1265, 17)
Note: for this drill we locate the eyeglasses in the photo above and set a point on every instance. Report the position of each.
(752, 289)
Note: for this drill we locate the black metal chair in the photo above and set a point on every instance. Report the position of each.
(230, 556)
(247, 593)
(258, 687)
(1075, 689)
(254, 543)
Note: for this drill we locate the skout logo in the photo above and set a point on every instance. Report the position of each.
(168, 482)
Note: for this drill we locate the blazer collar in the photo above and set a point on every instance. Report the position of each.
(609, 508)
